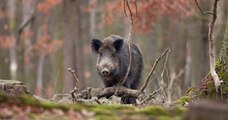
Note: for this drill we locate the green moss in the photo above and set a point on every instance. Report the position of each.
(3, 98)
(223, 75)
(10, 81)
(101, 112)
(168, 118)
(177, 111)
(210, 90)
(51, 105)
(106, 117)
(23, 99)
(191, 90)
(182, 100)
(28, 100)
(154, 110)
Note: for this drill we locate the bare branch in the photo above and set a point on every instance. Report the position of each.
(153, 68)
(150, 96)
(203, 12)
(77, 82)
(211, 40)
(132, 18)
(26, 22)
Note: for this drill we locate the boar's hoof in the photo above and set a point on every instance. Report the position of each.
(128, 100)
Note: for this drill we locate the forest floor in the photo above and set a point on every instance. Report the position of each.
(26, 107)
(16, 103)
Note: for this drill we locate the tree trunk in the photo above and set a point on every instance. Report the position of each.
(40, 66)
(12, 53)
(92, 18)
(72, 46)
(4, 62)
(27, 42)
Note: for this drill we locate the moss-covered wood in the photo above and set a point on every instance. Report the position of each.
(207, 88)
(12, 87)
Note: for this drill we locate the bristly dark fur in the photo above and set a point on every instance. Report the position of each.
(115, 50)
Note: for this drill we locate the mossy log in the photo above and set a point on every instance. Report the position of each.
(12, 87)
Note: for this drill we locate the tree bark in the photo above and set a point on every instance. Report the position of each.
(72, 46)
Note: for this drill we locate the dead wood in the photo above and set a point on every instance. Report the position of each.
(12, 87)
(89, 92)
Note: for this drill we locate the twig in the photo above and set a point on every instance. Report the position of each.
(26, 22)
(203, 12)
(77, 82)
(153, 68)
(97, 101)
(170, 85)
(149, 97)
(211, 40)
(131, 19)
(161, 82)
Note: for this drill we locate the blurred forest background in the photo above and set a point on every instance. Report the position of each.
(40, 39)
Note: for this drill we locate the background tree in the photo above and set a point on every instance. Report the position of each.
(72, 44)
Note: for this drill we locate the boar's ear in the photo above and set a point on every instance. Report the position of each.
(95, 45)
(118, 44)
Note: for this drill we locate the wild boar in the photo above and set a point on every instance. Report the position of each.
(113, 60)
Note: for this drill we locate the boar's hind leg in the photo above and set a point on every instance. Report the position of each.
(128, 99)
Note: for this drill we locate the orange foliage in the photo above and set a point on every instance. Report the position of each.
(47, 5)
(112, 10)
(2, 14)
(148, 11)
(45, 44)
(91, 6)
(6, 41)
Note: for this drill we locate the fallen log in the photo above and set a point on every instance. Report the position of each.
(89, 92)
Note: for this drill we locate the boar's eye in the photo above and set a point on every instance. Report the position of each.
(118, 44)
(95, 45)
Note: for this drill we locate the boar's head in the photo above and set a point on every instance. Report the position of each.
(108, 55)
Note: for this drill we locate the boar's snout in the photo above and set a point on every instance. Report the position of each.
(105, 72)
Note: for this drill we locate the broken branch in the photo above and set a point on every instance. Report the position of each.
(203, 12)
(153, 68)
(77, 82)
